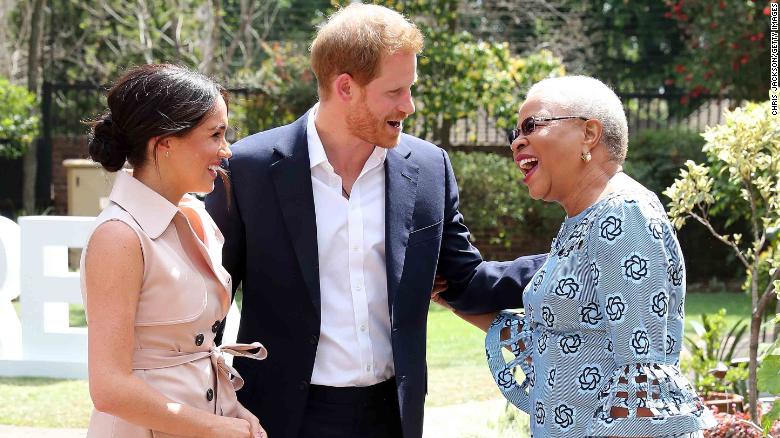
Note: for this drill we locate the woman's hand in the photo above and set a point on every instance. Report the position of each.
(254, 423)
(228, 427)
(439, 285)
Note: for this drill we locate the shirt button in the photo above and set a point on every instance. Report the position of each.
(362, 327)
(199, 339)
(368, 367)
(358, 288)
(210, 394)
(355, 248)
(215, 327)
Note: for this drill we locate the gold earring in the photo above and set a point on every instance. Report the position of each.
(585, 156)
(167, 154)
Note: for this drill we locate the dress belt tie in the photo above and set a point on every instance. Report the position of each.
(149, 359)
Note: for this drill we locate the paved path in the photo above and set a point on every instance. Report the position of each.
(34, 432)
(472, 420)
(464, 420)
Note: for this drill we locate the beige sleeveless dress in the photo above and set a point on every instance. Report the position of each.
(184, 297)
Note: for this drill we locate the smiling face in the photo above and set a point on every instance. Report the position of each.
(377, 113)
(549, 157)
(194, 159)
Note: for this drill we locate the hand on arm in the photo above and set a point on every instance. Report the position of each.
(114, 270)
(481, 320)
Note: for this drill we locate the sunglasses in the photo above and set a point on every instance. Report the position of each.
(529, 125)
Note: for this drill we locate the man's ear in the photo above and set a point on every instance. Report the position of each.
(344, 86)
(592, 134)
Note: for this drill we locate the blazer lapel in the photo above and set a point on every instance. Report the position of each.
(291, 177)
(400, 195)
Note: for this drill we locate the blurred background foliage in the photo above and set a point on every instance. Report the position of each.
(480, 58)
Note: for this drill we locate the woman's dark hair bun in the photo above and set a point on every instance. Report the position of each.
(148, 101)
(106, 144)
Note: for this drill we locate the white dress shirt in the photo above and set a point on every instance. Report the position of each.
(354, 347)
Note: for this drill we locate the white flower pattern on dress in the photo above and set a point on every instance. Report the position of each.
(605, 308)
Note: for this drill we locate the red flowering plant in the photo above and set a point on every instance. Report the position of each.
(738, 425)
(727, 48)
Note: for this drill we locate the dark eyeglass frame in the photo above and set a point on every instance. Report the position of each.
(528, 126)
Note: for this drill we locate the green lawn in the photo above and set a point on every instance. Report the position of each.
(737, 306)
(457, 369)
(44, 402)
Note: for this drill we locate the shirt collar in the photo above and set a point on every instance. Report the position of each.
(152, 212)
(317, 153)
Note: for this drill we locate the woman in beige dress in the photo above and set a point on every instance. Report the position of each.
(153, 283)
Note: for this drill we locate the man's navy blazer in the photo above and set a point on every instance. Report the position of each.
(271, 249)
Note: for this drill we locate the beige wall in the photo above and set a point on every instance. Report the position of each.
(88, 187)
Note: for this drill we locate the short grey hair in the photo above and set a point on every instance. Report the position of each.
(589, 97)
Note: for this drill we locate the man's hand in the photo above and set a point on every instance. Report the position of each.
(440, 285)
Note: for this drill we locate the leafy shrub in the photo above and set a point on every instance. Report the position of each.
(712, 346)
(768, 381)
(492, 196)
(18, 119)
(655, 157)
(741, 181)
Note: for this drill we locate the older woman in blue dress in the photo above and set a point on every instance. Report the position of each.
(600, 339)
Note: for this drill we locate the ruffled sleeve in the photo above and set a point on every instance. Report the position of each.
(510, 330)
(640, 287)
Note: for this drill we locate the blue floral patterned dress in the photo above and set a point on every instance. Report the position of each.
(603, 328)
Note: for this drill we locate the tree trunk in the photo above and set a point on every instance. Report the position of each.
(208, 64)
(755, 330)
(777, 324)
(144, 35)
(30, 164)
(755, 326)
(444, 135)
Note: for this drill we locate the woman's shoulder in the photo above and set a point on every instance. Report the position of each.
(631, 199)
(114, 217)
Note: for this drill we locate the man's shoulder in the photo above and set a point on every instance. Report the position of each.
(421, 150)
(262, 144)
(417, 143)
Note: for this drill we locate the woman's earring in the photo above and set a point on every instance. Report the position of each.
(168, 154)
(585, 156)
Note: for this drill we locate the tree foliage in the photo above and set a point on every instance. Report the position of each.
(460, 74)
(634, 44)
(95, 40)
(287, 89)
(740, 179)
(726, 47)
(19, 121)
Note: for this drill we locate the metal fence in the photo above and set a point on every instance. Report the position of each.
(65, 108)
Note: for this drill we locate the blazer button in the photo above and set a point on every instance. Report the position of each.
(215, 327)
(302, 385)
(210, 394)
(313, 340)
(199, 339)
